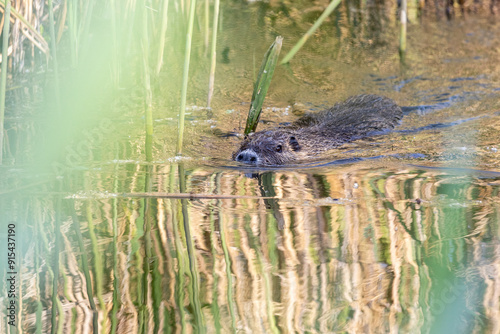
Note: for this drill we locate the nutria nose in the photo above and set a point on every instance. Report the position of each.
(247, 156)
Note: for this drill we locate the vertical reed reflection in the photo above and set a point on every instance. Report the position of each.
(360, 250)
(192, 273)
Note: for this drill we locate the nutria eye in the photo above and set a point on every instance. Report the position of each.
(278, 148)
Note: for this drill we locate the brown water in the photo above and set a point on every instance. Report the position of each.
(396, 233)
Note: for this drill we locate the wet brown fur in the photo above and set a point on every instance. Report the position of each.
(314, 133)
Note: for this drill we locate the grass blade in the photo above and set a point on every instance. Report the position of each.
(262, 84)
(311, 30)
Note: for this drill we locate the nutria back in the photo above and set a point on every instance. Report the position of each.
(357, 117)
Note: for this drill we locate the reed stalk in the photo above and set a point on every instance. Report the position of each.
(147, 84)
(115, 63)
(262, 84)
(54, 56)
(3, 82)
(72, 31)
(185, 76)
(311, 30)
(207, 24)
(213, 53)
(402, 36)
(86, 18)
(163, 33)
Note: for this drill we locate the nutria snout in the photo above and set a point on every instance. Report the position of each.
(314, 133)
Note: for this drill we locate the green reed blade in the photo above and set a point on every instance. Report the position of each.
(185, 76)
(147, 83)
(311, 30)
(3, 83)
(54, 56)
(207, 25)
(262, 84)
(213, 53)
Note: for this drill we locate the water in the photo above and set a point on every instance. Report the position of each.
(394, 233)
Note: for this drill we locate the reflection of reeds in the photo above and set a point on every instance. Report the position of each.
(192, 271)
(372, 260)
(97, 262)
(85, 268)
(116, 277)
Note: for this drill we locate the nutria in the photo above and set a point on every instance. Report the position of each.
(314, 133)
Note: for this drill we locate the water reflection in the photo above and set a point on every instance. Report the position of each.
(359, 248)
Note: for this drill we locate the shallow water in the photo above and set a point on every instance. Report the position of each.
(394, 233)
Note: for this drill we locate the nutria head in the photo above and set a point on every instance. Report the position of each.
(274, 147)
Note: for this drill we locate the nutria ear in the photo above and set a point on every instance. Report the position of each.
(294, 144)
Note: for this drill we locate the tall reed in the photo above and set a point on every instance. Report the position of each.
(147, 82)
(185, 76)
(3, 82)
(213, 53)
(163, 33)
